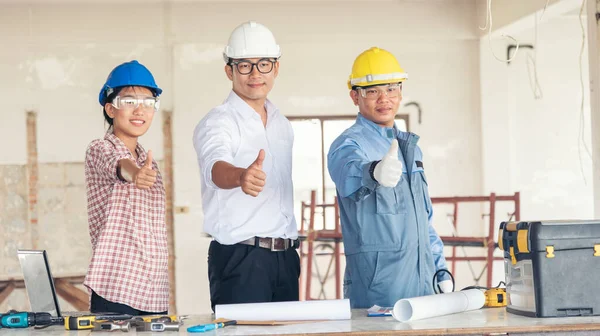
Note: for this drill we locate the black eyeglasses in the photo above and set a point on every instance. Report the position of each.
(245, 67)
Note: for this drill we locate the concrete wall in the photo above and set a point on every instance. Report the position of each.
(61, 215)
(539, 146)
(535, 145)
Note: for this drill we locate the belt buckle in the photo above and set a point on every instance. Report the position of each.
(273, 248)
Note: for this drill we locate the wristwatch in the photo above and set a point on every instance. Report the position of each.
(372, 169)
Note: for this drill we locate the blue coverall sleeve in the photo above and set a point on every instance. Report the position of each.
(348, 167)
(437, 246)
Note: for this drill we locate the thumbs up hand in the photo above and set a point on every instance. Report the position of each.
(145, 177)
(253, 178)
(389, 170)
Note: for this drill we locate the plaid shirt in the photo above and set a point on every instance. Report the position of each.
(127, 229)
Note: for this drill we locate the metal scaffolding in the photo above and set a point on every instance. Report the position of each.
(333, 238)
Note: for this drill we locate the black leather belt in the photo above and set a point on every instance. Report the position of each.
(273, 244)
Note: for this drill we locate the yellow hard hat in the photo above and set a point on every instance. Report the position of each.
(376, 66)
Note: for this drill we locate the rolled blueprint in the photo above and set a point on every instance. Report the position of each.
(286, 311)
(437, 305)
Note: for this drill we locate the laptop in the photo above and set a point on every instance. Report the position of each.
(39, 282)
(40, 286)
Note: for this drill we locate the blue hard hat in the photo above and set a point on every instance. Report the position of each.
(128, 74)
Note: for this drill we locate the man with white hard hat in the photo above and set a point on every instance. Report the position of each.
(392, 250)
(244, 149)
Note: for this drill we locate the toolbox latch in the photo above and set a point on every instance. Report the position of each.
(513, 259)
(522, 241)
(597, 250)
(550, 252)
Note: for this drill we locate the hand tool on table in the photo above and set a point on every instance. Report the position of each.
(156, 326)
(155, 323)
(124, 326)
(210, 326)
(495, 297)
(14, 319)
(155, 318)
(85, 322)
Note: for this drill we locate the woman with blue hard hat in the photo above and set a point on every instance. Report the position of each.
(128, 272)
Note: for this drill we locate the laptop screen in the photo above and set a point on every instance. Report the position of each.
(38, 281)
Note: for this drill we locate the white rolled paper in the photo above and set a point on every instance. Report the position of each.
(286, 311)
(437, 305)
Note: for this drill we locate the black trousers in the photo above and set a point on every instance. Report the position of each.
(99, 304)
(247, 274)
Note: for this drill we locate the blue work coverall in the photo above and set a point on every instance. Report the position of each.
(392, 250)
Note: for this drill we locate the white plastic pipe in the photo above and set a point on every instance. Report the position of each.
(438, 305)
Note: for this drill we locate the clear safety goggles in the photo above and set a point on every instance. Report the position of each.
(245, 67)
(374, 92)
(132, 103)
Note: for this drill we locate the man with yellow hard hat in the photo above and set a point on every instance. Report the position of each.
(392, 250)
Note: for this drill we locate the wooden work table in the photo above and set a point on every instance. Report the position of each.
(491, 321)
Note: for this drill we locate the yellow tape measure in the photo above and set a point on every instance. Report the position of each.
(495, 297)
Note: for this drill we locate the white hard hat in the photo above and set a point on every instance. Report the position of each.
(251, 40)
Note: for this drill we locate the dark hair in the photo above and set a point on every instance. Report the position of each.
(109, 99)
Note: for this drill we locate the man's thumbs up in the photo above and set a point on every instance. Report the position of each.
(253, 178)
(393, 151)
(145, 177)
(389, 170)
(259, 159)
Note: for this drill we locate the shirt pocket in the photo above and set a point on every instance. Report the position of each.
(390, 201)
(425, 191)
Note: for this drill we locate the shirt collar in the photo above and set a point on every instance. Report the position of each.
(122, 149)
(383, 131)
(245, 110)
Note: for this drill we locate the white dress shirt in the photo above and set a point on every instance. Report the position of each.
(233, 132)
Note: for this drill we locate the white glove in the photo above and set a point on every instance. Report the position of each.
(389, 170)
(446, 286)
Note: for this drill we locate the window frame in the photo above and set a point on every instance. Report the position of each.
(322, 119)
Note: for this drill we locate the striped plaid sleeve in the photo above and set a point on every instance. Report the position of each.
(103, 159)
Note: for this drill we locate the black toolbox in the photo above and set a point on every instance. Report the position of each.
(552, 268)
